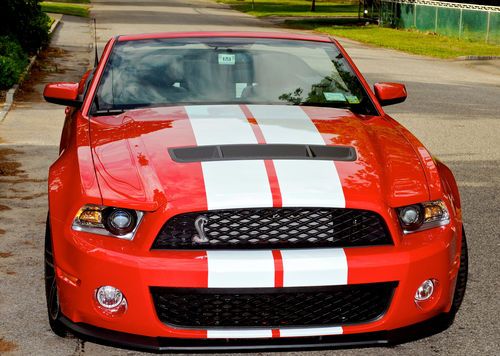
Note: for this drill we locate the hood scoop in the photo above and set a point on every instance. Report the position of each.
(262, 152)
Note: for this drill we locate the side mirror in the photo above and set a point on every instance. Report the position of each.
(390, 93)
(62, 93)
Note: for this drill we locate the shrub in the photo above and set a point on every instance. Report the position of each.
(25, 21)
(13, 60)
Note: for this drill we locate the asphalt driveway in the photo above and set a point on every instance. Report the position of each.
(453, 107)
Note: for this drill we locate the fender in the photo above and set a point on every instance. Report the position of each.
(450, 187)
(72, 181)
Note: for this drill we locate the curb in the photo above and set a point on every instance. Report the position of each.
(478, 58)
(326, 19)
(9, 97)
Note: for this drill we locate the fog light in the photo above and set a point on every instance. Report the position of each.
(425, 291)
(109, 297)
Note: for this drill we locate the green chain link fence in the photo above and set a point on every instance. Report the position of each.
(472, 22)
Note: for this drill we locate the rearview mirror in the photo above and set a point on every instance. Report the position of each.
(390, 93)
(62, 93)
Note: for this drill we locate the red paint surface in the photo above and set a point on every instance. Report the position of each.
(123, 161)
(278, 269)
(390, 91)
(66, 91)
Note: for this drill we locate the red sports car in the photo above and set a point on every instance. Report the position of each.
(245, 191)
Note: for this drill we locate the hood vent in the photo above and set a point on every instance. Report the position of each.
(262, 151)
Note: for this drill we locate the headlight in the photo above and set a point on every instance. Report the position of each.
(423, 216)
(119, 221)
(102, 220)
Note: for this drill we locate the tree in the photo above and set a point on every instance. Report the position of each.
(24, 20)
(313, 5)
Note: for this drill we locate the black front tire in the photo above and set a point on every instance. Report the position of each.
(51, 292)
(462, 275)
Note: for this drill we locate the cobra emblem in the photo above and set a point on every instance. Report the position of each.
(199, 224)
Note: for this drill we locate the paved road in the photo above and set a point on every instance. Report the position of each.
(453, 107)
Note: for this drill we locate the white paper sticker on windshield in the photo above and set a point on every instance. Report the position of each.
(334, 96)
(226, 58)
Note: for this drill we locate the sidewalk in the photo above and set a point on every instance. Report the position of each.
(29, 138)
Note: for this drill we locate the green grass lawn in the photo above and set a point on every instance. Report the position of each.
(51, 21)
(295, 7)
(66, 8)
(75, 1)
(427, 44)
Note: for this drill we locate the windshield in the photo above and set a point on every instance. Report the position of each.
(190, 71)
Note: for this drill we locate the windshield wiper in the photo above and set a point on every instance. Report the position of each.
(108, 112)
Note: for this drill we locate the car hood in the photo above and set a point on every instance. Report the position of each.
(136, 165)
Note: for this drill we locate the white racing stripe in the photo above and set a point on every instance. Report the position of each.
(303, 183)
(239, 333)
(240, 269)
(245, 184)
(314, 267)
(236, 184)
(286, 124)
(267, 333)
(229, 184)
(294, 332)
(220, 125)
(309, 183)
(255, 269)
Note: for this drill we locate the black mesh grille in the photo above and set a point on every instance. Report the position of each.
(273, 228)
(272, 307)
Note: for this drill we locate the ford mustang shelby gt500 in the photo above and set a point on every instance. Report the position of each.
(245, 190)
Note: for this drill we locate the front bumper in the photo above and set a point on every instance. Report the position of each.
(428, 254)
(162, 344)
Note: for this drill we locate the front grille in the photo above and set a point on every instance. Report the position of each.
(273, 228)
(272, 307)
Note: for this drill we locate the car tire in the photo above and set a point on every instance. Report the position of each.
(51, 293)
(461, 285)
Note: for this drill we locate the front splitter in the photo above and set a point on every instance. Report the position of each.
(163, 344)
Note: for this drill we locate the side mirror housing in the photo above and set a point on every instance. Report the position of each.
(390, 93)
(63, 93)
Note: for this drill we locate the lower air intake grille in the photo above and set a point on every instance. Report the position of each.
(272, 307)
(273, 228)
